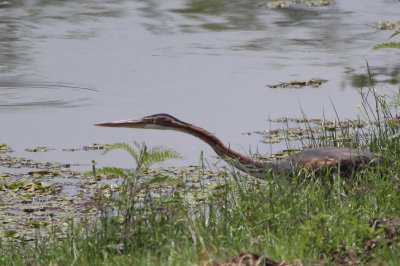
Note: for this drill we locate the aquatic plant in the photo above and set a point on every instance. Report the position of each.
(389, 44)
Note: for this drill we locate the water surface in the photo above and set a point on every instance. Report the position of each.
(66, 65)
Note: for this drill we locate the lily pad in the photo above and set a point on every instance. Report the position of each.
(4, 148)
(38, 149)
(318, 2)
(96, 146)
(18, 162)
(44, 173)
(313, 129)
(39, 198)
(11, 233)
(71, 149)
(38, 224)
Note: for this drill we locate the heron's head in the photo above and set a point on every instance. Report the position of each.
(157, 121)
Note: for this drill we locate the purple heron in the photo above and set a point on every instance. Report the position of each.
(345, 158)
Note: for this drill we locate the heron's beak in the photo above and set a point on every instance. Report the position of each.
(135, 123)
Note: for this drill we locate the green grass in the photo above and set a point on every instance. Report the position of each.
(312, 219)
(300, 218)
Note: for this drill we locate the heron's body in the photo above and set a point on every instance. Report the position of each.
(345, 158)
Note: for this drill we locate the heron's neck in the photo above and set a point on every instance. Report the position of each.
(236, 159)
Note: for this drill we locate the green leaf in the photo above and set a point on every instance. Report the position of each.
(143, 156)
(394, 34)
(123, 146)
(162, 180)
(116, 171)
(387, 45)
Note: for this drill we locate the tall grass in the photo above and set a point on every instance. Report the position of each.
(304, 218)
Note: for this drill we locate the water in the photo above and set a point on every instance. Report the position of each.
(66, 65)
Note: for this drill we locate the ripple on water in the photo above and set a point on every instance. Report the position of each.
(39, 94)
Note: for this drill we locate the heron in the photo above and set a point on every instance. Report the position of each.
(314, 158)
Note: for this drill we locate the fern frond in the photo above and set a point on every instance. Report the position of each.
(141, 147)
(167, 153)
(159, 155)
(394, 34)
(387, 45)
(162, 180)
(126, 147)
(144, 157)
(116, 171)
(157, 149)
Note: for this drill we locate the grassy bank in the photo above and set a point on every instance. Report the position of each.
(307, 218)
(299, 219)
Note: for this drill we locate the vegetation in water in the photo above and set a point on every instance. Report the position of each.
(194, 216)
(294, 3)
(228, 217)
(299, 83)
(389, 44)
(388, 25)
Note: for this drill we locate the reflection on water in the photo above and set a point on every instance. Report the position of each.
(13, 44)
(221, 15)
(380, 75)
(20, 23)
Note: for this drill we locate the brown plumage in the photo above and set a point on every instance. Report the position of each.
(345, 158)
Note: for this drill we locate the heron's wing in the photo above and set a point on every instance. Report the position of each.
(333, 156)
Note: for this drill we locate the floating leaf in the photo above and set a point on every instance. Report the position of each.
(273, 139)
(4, 175)
(96, 146)
(300, 3)
(38, 149)
(71, 149)
(4, 148)
(318, 2)
(38, 224)
(17, 162)
(15, 185)
(281, 4)
(299, 83)
(45, 185)
(44, 173)
(279, 120)
(312, 128)
(11, 233)
(388, 25)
